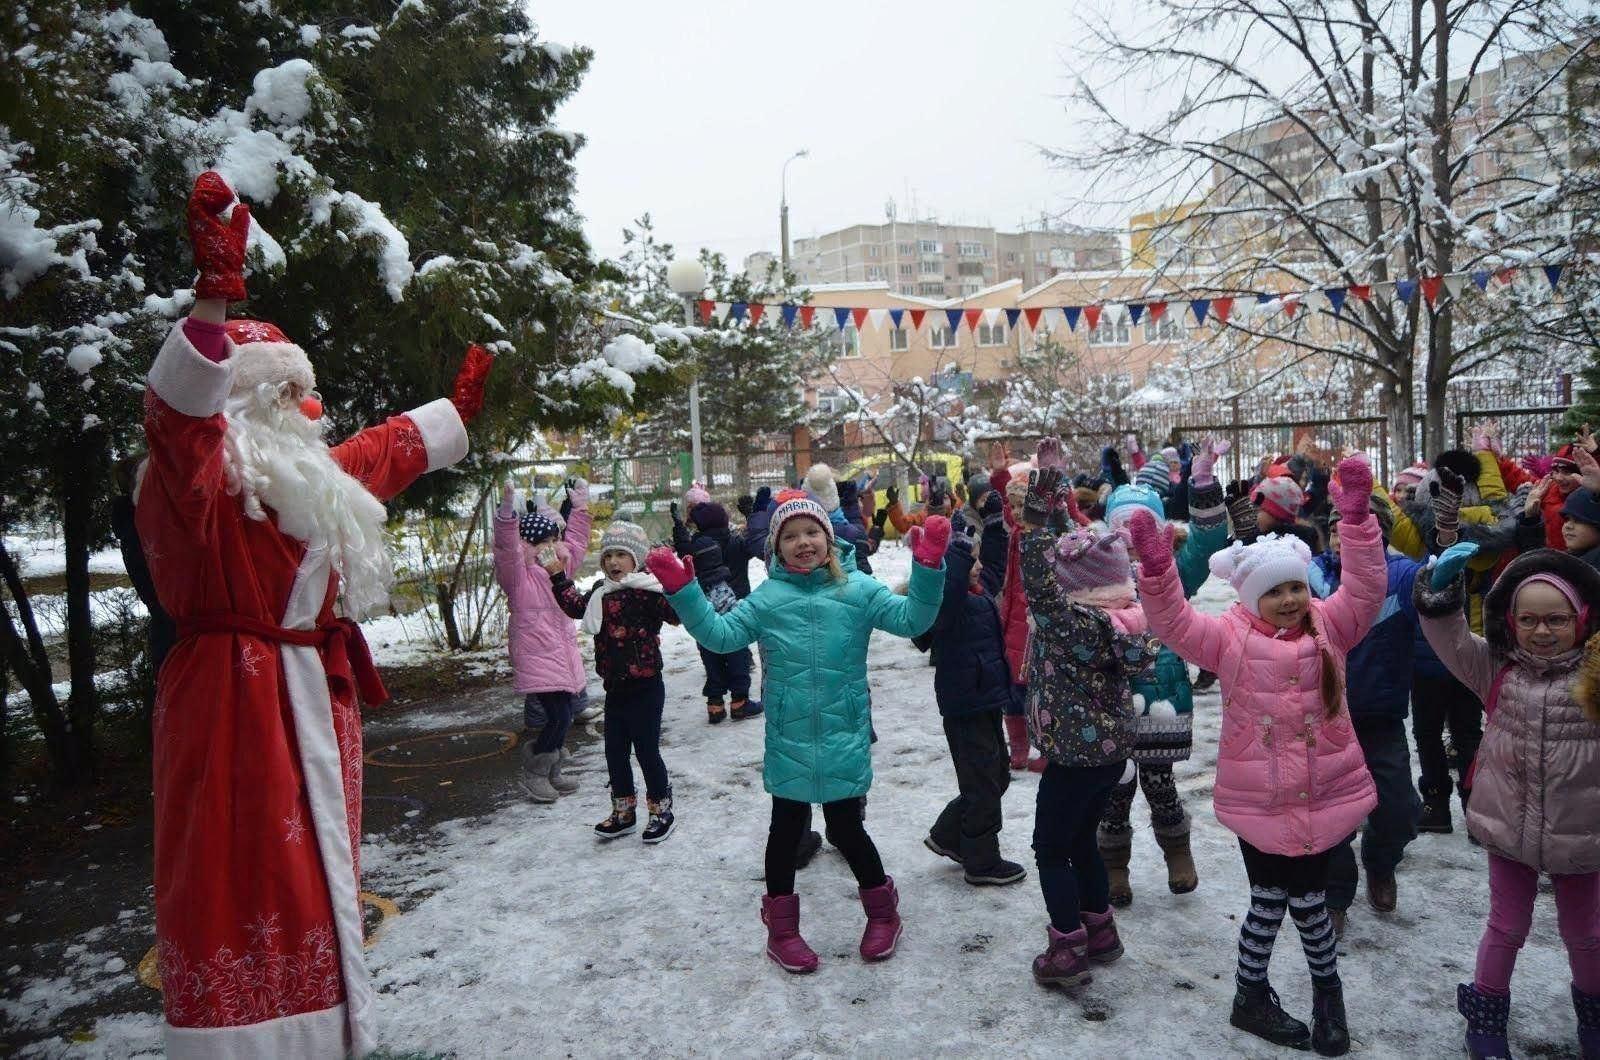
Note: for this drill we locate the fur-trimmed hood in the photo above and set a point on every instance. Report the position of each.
(1497, 605)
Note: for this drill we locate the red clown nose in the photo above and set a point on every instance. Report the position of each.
(311, 408)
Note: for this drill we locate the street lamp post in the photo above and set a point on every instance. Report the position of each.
(783, 204)
(687, 278)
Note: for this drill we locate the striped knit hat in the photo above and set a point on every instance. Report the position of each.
(623, 536)
(1155, 476)
(797, 507)
(1085, 561)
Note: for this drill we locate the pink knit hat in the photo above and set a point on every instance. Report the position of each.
(1085, 561)
(1280, 497)
(1409, 476)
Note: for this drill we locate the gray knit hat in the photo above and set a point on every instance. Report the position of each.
(623, 536)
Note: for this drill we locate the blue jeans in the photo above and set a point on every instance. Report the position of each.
(633, 723)
(1392, 823)
(1072, 875)
(728, 673)
(550, 713)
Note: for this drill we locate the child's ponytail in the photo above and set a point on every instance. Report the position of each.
(1586, 689)
(1332, 687)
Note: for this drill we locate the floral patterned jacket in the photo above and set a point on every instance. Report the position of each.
(628, 647)
(1079, 706)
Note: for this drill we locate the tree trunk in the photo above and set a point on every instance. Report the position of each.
(1441, 357)
(77, 526)
(1400, 411)
(741, 465)
(25, 656)
(447, 615)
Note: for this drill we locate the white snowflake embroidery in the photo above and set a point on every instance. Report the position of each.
(254, 331)
(264, 930)
(408, 439)
(250, 659)
(294, 828)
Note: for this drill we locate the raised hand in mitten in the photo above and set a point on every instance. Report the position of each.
(892, 495)
(993, 507)
(578, 491)
(1041, 498)
(218, 245)
(467, 393)
(1450, 562)
(1202, 471)
(929, 541)
(746, 505)
(1241, 511)
(1152, 542)
(1049, 453)
(672, 510)
(1588, 468)
(1446, 502)
(880, 517)
(763, 498)
(673, 573)
(1354, 496)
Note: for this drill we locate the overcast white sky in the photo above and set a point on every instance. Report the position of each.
(691, 108)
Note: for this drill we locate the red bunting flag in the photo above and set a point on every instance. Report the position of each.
(1361, 291)
(972, 316)
(756, 309)
(1032, 317)
(1156, 310)
(916, 318)
(1430, 288)
(1221, 307)
(706, 307)
(858, 315)
(1290, 305)
(806, 312)
(1505, 276)
(1091, 313)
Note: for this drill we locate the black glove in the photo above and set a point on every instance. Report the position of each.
(673, 508)
(992, 505)
(1037, 505)
(1446, 494)
(763, 498)
(892, 495)
(746, 504)
(566, 507)
(935, 498)
(880, 517)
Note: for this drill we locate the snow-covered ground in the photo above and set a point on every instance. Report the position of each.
(521, 935)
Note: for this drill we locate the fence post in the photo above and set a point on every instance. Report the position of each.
(686, 470)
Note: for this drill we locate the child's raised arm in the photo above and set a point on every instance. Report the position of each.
(912, 614)
(1201, 639)
(509, 569)
(1350, 612)
(1442, 614)
(738, 628)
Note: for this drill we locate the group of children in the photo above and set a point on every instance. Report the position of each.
(1057, 612)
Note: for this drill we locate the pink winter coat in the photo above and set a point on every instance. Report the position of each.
(543, 641)
(1013, 601)
(1289, 779)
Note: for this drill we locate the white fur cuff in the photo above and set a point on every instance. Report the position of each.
(442, 432)
(187, 380)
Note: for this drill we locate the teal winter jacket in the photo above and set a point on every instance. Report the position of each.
(813, 633)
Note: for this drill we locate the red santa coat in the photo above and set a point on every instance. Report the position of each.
(257, 742)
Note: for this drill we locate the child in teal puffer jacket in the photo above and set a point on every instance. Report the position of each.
(1164, 695)
(813, 617)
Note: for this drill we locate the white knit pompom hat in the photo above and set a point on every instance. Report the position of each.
(819, 483)
(1253, 569)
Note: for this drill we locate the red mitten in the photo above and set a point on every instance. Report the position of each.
(1353, 498)
(218, 247)
(467, 394)
(1067, 498)
(1152, 542)
(673, 573)
(927, 547)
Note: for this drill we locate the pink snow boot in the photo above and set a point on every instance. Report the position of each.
(781, 914)
(1063, 963)
(1101, 943)
(883, 921)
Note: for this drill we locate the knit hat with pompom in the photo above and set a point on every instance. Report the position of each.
(623, 536)
(696, 495)
(1088, 564)
(819, 483)
(1252, 569)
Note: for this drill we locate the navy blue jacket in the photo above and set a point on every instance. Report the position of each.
(1378, 670)
(735, 554)
(970, 674)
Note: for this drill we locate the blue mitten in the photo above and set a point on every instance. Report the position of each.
(1448, 566)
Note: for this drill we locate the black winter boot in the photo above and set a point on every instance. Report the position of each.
(806, 849)
(1435, 813)
(1330, 1032)
(1587, 1006)
(1256, 1009)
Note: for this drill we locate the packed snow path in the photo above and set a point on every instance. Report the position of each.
(522, 935)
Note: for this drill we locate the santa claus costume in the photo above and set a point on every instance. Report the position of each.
(253, 528)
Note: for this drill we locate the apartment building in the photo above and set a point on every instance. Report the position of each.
(926, 259)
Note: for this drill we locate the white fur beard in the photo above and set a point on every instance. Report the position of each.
(276, 458)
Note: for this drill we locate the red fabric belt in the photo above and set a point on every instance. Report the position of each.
(345, 655)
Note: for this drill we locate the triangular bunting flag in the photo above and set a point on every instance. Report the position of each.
(1313, 299)
(1220, 308)
(858, 316)
(1070, 313)
(916, 318)
(1481, 278)
(1157, 309)
(991, 315)
(1011, 318)
(841, 316)
(1091, 316)
(788, 314)
(1335, 299)
(1553, 274)
(1405, 290)
(1200, 305)
(1361, 292)
(1135, 311)
(756, 309)
(1291, 303)
(1455, 283)
(1430, 288)
(972, 316)
(877, 317)
(719, 312)
(1382, 292)
(1264, 297)
(737, 311)
(806, 312)
(953, 318)
(1505, 276)
(895, 315)
(706, 307)
(1031, 315)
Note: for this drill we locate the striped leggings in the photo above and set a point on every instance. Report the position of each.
(1298, 886)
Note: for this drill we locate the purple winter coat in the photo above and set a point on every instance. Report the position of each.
(542, 640)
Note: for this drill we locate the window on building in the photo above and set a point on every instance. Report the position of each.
(847, 343)
(874, 251)
(899, 339)
(905, 250)
(991, 334)
(832, 401)
(906, 270)
(1168, 329)
(970, 288)
(930, 290)
(1011, 257)
(941, 338)
(932, 267)
(874, 272)
(972, 250)
(969, 268)
(1111, 332)
(1041, 257)
(930, 246)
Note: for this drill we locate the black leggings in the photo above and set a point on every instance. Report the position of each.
(845, 831)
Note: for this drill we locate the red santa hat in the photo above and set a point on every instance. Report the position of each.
(262, 353)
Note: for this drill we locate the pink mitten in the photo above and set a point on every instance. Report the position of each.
(673, 573)
(1353, 498)
(1152, 543)
(1203, 471)
(1049, 453)
(927, 547)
